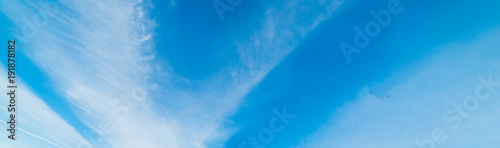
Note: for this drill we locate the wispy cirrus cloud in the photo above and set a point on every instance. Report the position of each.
(98, 54)
(37, 125)
(215, 98)
(421, 96)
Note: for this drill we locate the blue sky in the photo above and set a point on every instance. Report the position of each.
(176, 74)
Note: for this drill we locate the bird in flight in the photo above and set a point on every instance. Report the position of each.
(380, 97)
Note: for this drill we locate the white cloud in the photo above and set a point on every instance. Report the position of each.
(37, 125)
(96, 52)
(421, 95)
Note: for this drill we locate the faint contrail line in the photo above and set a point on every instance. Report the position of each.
(34, 135)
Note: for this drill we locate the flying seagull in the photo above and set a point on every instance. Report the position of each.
(380, 97)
